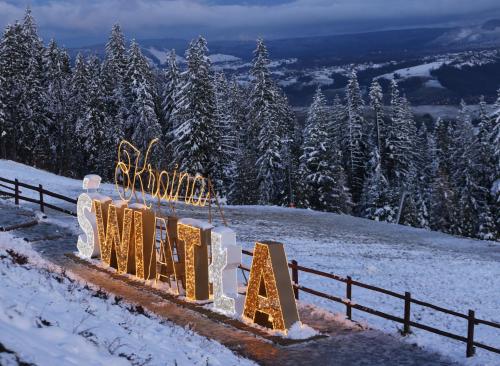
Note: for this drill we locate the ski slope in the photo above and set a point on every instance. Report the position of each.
(452, 272)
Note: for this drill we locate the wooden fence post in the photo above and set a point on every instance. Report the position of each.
(40, 190)
(348, 310)
(470, 334)
(16, 191)
(406, 324)
(295, 278)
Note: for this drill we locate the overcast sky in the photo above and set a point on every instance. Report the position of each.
(80, 22)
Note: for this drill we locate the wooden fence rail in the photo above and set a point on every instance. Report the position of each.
(16, 194)
(472, 321)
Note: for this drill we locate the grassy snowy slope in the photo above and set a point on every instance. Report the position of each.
(456, 273)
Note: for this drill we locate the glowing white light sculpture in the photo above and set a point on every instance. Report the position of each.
(88, 242)
(222, 272)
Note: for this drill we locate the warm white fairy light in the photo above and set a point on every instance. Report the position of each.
(88, 243)
(269, 296)
(195, 236)
(222, 272)
(135, 175)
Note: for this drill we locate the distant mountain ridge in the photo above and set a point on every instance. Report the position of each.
(337, 49)
(479, 36)
(432, 65)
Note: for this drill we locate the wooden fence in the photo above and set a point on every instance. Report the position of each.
(407, 299)
(15, 192)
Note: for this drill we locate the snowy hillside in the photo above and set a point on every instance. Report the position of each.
(452, 272)
(48, 318)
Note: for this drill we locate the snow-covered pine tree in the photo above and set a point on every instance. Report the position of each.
(391, 140)
(197, 138)
(407, 169)
(400, 146)
(338, 129)
(339, 138)
(21, 68)
(376, 200)
(57, 76)
(321, 186)
(417, 211)
(142, 123)
(495, 185)
(263, 139)
(356, 149)
(443, 211)
(242, 187)
(32, 142)
(269, 163)
(91, 125)
(376, 197)
(262, 93)
(488, 170)
(474, 217)
(376, 102)
(171, 81)
(225, 121)
(290, 149)
(117, 93)
(3, 111)
(171, 85)
(78, 92)
(114, 69)
(12, 66)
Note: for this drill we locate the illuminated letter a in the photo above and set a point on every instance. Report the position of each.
(269, 300)
(196, 236)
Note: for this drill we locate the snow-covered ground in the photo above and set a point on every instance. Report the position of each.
(452, 272)
(48, 318)
(423, 70)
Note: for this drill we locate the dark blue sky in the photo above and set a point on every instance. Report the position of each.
(80, 22)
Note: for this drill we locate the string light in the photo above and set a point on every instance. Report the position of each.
(139, 244)
(196, 260)
(196, 188)
(269, 299)
(101, 211)
(222, 272)
(86, 246)
(120, 244)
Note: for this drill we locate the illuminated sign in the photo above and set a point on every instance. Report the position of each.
(270, 301)
(132, 177)
(201, 259)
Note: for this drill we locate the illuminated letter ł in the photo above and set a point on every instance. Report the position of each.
(196, 236)
(88, 244)
(222, 272)
(142, 255)
(270, 301)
